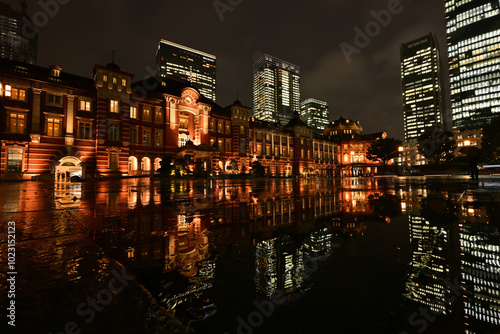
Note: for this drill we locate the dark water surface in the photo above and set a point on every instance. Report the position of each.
(353, 255)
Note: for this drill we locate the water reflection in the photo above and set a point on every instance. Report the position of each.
(173, 235)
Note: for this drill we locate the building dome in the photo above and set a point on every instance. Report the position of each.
(343, 126)
(113, 66)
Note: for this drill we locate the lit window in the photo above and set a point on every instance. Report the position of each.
(183, 123)
(242, 131)
(85, 105)
(14, 160)
(85, 130)
(54, 100)
(104, 77)
(114, 80)
(124, 82)
(158, 138)
(53, 127)
(158, 116)
(16, 123)
(113, 106)
(133, 112)
(114, 131)
(18, 94)
(8, 91)
(146, 114)
(220, 126)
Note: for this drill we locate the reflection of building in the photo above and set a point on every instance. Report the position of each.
(314, 113)
(352, 147)
(18, 35)
(421, 77)
(480, 263)
(197, 67)
(276, 90)
(473, 52)
(430, 269)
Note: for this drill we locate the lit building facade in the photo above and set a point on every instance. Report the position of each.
(421, 77)
(195, 66)
(18, 36)
(314, 113)
(276, 90)
(473, 51)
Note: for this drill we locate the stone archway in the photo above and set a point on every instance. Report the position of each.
(67, 168)
(146, 165)
(132, 165)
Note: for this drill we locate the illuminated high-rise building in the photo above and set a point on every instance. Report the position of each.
(197, 67)
(474, 58)
(314, 113)
(276, 89)
(18, 36)
(421, 78)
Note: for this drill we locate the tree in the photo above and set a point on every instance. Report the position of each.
(166, 165)
(257, 169)
(383, 150)
(233, 166)
(437, 145)
(490, 142)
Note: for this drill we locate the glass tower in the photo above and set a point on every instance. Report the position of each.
(421, 78)
(474, 58)
(276, 89)
(314, 113)
(197, 67)
(18, 38)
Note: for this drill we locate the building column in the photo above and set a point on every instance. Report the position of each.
(70, 106)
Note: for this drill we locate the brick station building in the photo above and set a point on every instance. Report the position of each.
(55, 125)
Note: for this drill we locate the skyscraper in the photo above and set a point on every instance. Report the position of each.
(421, 78)
(18, 36)
(195, 66)
(276, 89)
(473, 31)
(314, 113)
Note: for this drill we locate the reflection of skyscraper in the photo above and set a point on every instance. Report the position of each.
(421, 78)
(426, 283)
(473, 50)
(18, 38)
(480, 262)
(276, 89)
(318, 243)
(197, 67)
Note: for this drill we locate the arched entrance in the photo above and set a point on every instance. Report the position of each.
(132, 165)
(157, 164)
(146, 165)
(68, 167)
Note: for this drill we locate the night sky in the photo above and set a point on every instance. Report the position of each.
(306, 33)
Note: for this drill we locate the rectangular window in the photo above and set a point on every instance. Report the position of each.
(124, 82)
(212, 125)
(113, 106)
(183, 123)
(85, 105)
(133, 135)
(114, 131)
(85, 130)
(53, 127)
(158, 138)
(158, 116)
(114, 80)
(221, 145)
(8, 91)
(146, 136)
(146, 114)
(242, 130)
(228, 146)
(14, 160)
(104, 77)
(228, 128)
(220, 126)
(18, 94)
(133, 112)
(54, 100)
(242, 147)
(16, 123)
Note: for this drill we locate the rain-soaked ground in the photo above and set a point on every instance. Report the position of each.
(353, 255)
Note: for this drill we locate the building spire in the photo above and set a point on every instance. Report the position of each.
(341, 114)
(237, 96)
(113, 57)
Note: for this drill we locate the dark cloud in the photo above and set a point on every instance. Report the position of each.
(308, 34)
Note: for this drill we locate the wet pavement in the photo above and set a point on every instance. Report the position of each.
(353, 255)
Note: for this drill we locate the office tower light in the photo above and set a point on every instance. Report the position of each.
(473, 33)
(314, 113)
(276, 89)
(197, 67)
(421, 79)
(18, 36)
